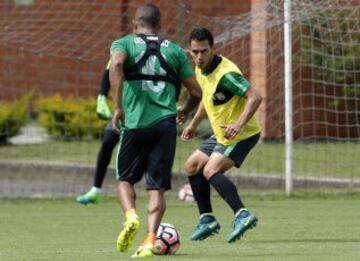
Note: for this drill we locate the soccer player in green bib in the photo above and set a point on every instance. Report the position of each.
(146, 73)
(230, 104)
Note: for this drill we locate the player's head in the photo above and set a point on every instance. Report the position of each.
(201, 44)
(147, 16)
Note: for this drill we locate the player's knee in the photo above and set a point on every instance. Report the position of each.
(209, 171)
(191, 167)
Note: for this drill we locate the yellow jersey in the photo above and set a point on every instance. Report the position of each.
(228, 112)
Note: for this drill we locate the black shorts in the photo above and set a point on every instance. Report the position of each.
(109, 126)
(148, 151)
(236, 152)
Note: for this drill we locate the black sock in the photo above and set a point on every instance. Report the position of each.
(227, 190)
(201, 190)
(109, 142)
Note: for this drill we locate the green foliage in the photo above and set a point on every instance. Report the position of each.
(13, 116)
(69, 117)
(331, 46)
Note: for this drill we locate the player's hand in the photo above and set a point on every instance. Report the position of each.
(231, 130)
(181, 116)
(188, 132)
(102, 109)
(118, 118)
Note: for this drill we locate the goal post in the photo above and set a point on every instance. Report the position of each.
(288, 98)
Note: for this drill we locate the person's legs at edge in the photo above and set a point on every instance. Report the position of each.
(108, 144)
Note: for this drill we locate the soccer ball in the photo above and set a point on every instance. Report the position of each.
(186, 194)
(167, 240)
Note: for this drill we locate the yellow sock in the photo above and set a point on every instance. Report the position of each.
(130, 213)
(149, 238)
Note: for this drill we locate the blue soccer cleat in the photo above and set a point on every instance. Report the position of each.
(243, 221)
(207, 227)
(90, 197)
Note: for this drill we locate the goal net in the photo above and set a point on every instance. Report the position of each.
(52, 55)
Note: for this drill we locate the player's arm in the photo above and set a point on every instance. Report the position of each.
(253, 101)
(117, 82)
(186, 74)
(191, 101)
(190, 130)
(105, 81)
(102, 109)
(240, 86)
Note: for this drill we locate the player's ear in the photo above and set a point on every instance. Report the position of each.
(188, 52)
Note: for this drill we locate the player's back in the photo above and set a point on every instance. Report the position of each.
(135, 47)
(148, 101)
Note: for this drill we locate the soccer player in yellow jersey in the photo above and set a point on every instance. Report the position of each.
(230, 104)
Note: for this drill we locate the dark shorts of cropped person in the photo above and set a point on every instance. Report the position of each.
(236, 152)
(109, 126)
(148, 152)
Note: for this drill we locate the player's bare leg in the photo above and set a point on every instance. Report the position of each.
(156, 209)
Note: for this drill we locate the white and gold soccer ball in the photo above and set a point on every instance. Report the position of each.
(167, 240)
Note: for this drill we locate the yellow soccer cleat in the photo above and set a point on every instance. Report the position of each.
(146, 250)
(127, 235)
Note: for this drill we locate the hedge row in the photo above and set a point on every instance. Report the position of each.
(13, 115)
(62, 117)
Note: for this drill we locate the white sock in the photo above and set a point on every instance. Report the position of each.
(96, 190)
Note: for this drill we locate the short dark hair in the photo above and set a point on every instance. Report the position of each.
(201, 34)
(148, 15)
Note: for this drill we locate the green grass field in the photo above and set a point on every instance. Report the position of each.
(298, 228)
(328, 159)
